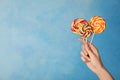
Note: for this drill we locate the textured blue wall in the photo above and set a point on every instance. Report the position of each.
(36, 42)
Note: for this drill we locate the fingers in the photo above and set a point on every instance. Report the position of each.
(93, 49)
(88, 50)
(84, 57)
(82, 40)
(83, 49)
(84, 54)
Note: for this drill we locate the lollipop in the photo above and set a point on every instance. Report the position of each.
(81, 26)
(98, 25)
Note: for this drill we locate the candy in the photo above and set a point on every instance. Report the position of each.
(81, 26)
(98, 24)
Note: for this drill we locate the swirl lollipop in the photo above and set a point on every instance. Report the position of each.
(81, 26)
(98, 25)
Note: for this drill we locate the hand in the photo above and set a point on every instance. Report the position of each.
(91, 57)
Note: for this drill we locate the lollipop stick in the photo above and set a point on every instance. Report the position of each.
(86, 40)
(92, 38)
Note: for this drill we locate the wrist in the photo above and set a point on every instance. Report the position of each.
(103, 74)
(100, 71)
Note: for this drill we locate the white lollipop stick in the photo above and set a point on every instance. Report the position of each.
(92, 38)
(86, 40)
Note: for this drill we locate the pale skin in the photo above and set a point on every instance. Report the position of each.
(90, 55)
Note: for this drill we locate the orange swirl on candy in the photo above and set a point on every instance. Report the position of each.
(98, 24)
(86, 31)
(81, 26)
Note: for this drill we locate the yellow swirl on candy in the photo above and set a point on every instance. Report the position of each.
(86, 31)
(98, 24)
(81, 26)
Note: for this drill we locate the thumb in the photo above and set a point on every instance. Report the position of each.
(82, 40)
(88, 50)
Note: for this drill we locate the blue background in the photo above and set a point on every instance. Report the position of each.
(36, 42)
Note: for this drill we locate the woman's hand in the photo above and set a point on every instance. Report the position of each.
(91, 57)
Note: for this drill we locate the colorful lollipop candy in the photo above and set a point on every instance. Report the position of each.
(81, 26)
(98, 24)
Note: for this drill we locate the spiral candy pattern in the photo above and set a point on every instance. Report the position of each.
(86, 31)
(98, 24)
(81, 26)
